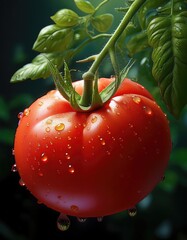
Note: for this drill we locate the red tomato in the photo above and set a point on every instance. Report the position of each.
(97, 163)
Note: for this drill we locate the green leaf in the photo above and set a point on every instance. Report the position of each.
(103, 22)
(65, 18)
(85, 6)
(38, 68)
(54, 38)
(167, 35)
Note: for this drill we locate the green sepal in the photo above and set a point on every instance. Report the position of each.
(110, 90)
(85, 6)
(65, 18)
(102, 23)
(54, 38)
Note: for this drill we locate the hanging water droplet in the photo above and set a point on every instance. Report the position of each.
(20, 115)
(99, 219)
(13, 152)
(63, 222)
(136, 99)
(132, 212)
(60, 127)
(147, 110)
(94, 119)
(14, 168)
(74, 208)
(44, 158)
(26, 112)
(71, 169)
(82, 220)
(21, 182)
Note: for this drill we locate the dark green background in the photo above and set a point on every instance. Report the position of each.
(162, 215)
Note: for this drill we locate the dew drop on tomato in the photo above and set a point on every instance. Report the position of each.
(82, 220)
(132, 212)
(99, 219)
(71, 169)
(102, 141)
(60, 127)
(94, 119)
(148, 110)
(63, 222)
(21, 182)
(20, 115)
(67, 156)
(44, 158)
(40, 103)
(49, 121)
(136, 99)
(74, 208)
(47, 129)
(13, 152)
(26, 112)
(14, 168)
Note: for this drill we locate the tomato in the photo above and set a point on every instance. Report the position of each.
(93, 163)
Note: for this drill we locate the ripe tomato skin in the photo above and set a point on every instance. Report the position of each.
(97, 163)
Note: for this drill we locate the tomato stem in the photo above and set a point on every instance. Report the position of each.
(87, 98)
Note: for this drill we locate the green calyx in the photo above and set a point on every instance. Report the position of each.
(91, 97)
(90, 100)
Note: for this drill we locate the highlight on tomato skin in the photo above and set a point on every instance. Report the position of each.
(96, 163)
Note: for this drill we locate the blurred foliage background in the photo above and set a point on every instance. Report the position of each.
(161, 215)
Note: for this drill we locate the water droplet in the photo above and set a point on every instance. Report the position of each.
(102, 141)
(44, 158)
(108, 153)
(136, 99)
(82, 220)
(130, 125)
(99, 219)
(71, 169)
(69, 146)
(67, 156)
(40, 173)
(40, 103)
(47, 129)
(74, 208)
(147, 110)
(26, 112)
(69, 138)
(14, 168)
(108, 131)
(63, 222)
(21, 182)
(49, 121)
(132, 212)
(13, 152)
(20, 115)
(94, 119)
(60, 127)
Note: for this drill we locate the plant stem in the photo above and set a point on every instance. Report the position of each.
(111, 42)
(86, 99)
